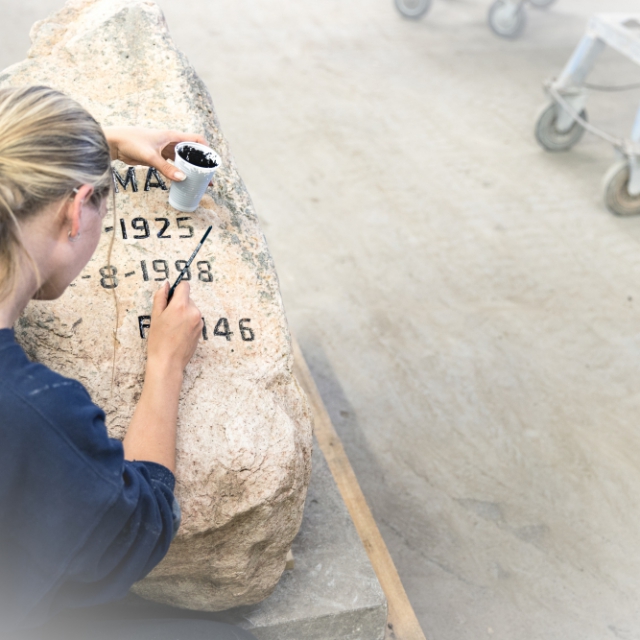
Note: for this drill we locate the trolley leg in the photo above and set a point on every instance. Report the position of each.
(511, 8)
(581, 62)
(570, 82)
(634, 161)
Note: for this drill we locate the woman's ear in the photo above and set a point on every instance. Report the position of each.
(75, 209)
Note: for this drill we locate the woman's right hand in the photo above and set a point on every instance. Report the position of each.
(175, 329)
(173, 338)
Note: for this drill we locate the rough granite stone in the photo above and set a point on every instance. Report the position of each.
(333, 592)
(244, 438)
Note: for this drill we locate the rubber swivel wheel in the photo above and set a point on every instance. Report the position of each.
(541, 4)
(548, 136)
(506, 20)
(615, 186)
(413, 9)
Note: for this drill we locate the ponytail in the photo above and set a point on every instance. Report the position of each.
(49, 145)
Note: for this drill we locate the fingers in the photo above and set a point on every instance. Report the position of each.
(151, 147)
(182, 292)
(169, 151)
(160, 299)
(178, 136)
(174, 137)
(167, 169)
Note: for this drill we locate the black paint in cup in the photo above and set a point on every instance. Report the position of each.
(197, 158)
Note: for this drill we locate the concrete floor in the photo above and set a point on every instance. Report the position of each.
(468, 307)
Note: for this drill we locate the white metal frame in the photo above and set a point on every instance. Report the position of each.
(620, 31)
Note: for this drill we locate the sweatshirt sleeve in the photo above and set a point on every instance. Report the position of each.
(130, 539)
(79, 524)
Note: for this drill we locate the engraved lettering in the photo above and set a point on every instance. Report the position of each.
(165, 226)
(204, 271)
(108, 280)
(129, 179)
(180, 265)
(140, 224)
(159, 182)
(222, 329)
(246, 331)
(185, 226)
(144, 324)
(161, 266)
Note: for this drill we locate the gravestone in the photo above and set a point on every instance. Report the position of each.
(244, 433)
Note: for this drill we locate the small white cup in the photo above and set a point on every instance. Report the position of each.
(186, 195)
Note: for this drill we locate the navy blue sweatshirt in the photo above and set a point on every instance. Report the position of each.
(78, 523)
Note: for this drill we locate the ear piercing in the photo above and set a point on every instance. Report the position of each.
(74, 238)
(76, 191)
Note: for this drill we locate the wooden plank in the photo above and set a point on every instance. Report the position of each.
(402, 623)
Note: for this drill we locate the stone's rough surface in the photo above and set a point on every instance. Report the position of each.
(333, 592)
(244, 441)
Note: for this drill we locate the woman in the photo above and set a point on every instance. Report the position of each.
(82, 516)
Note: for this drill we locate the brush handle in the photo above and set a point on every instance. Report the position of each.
(186, 266)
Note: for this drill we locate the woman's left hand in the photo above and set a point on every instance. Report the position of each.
(149, 147)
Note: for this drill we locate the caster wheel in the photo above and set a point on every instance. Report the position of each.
(413, 9)
(507, 19)
(549, 138)
(541, 4)
(616, 195)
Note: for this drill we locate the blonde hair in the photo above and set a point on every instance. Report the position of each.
(49, 145)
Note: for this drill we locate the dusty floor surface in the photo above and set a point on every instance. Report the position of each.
(470, 310)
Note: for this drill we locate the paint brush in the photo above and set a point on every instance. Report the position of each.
(186, 266)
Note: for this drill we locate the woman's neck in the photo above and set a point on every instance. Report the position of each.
(35, 259)
(11, 308)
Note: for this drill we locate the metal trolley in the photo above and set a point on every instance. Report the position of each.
(413, 9)
(507, 18)
(563, 121)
